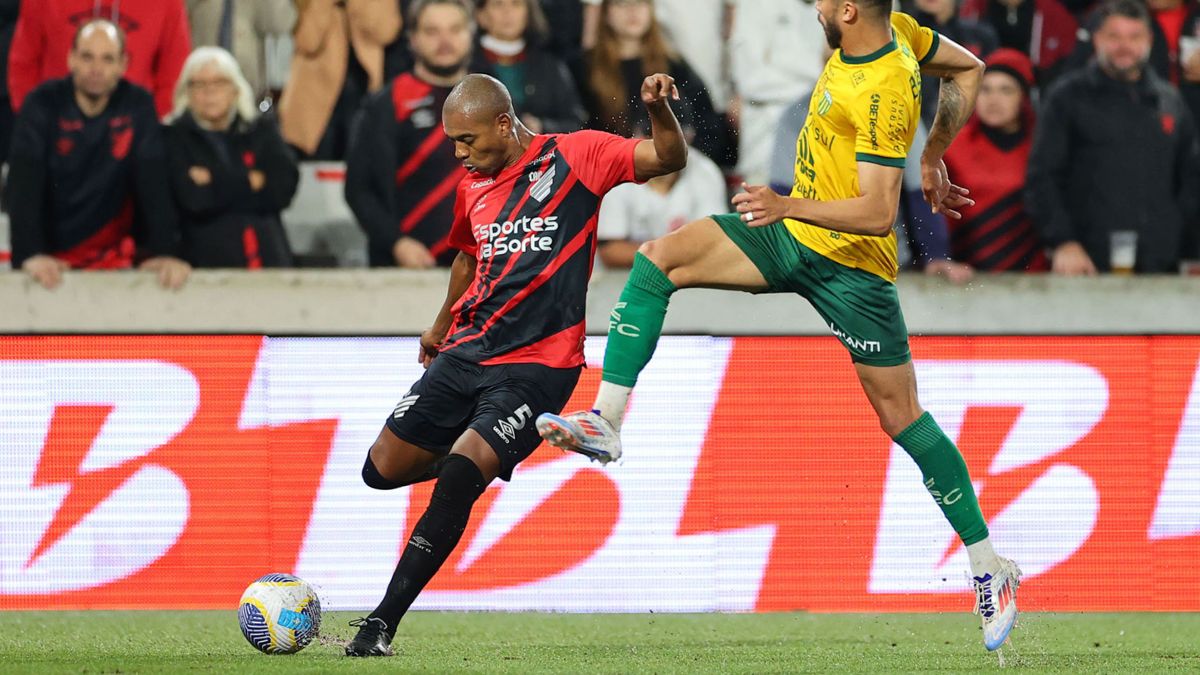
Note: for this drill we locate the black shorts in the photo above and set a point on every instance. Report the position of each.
(499, 402)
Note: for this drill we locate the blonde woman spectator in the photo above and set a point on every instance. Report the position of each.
(231, 173)
(338, 60)
(241, 27)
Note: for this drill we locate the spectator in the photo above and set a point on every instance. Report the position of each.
(9, 10)
(544, 95)
(632, 214)
(230, 170)
(990, 157)
(776, 54)
(1114, 150)
(942, 17)
(338, 59)
(401, 171)
(1162, 61)
(87, 154)
(629, 47)
(1041, 29)
(156, 32)
(241, 28)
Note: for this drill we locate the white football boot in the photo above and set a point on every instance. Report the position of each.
(996, 602)
(585, 432)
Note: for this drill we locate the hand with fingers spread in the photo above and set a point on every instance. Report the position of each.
(943, 196)
(658, 88)
(760, 205)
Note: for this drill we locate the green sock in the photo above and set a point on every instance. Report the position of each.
(946, 477)
(636, 322)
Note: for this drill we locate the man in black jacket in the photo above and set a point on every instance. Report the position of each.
(86, 179)
(401, 172)
(1115, 150)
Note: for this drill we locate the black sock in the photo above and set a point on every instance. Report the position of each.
(435, 536)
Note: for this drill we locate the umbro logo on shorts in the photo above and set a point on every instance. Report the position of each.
(404, 404)
(507, 428)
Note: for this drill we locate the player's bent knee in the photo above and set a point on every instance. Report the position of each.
(376, 480)
(459, 484)
(657, 252)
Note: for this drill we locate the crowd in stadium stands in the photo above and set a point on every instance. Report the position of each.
(1082, 155)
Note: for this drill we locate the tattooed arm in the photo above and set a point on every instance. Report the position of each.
(961, 74)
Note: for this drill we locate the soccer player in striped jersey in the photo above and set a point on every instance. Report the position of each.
(830, 241)
(507, 344)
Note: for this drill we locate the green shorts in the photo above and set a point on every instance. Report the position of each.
(862, 309)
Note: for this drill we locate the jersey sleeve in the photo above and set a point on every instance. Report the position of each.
(461, 237)
(882, 117)
(602, 160)
(921, 40)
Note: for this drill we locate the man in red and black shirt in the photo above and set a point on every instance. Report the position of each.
(507, 344)
(86, 176)
(400, 170)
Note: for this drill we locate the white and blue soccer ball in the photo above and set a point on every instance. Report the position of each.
(280, 614)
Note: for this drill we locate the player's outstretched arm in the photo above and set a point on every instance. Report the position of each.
(462, 273)
(961, 74)
(666, 152)
(871, 213)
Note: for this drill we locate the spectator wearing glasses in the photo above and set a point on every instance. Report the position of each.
(231, 172)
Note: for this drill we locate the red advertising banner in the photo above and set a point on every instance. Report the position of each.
(170, 471)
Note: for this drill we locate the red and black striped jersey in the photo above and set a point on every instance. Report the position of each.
(532, 230)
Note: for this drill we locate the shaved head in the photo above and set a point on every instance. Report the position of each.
(478, 116)
(479, 98)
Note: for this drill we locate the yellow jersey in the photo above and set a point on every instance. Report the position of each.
(864, 109)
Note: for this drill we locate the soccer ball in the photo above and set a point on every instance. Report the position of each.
(280, 614)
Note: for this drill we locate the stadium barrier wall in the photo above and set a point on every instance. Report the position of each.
(403, 302)
(170, 471)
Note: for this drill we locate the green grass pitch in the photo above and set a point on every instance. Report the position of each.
(210, 642)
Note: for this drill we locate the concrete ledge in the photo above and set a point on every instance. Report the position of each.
(400, 302)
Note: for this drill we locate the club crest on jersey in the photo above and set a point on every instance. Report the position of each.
(540, 183)
(825, 103)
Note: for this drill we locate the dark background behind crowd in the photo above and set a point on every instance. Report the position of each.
(174, 134)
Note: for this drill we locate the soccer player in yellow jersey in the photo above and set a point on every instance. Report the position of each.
(830, 241)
